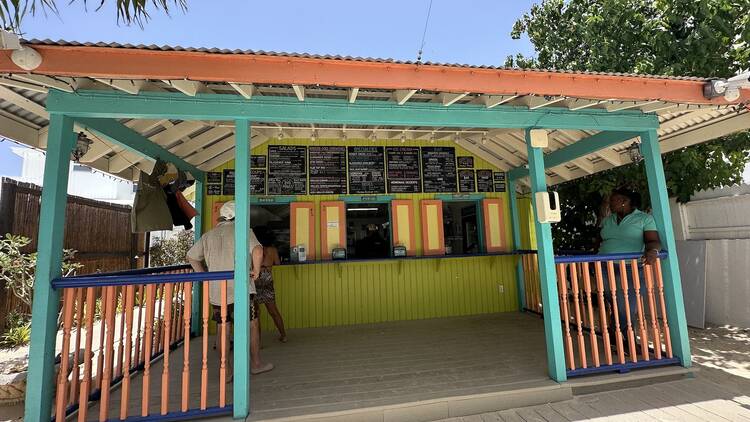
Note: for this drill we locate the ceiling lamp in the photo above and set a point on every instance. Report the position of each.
(82, 147)
(373, 136)
(281, 134)
(432, 137)
(314, 136)
(403, 137)
(484, 138)
(455, 138)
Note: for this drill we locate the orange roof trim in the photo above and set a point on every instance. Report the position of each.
(133, 63)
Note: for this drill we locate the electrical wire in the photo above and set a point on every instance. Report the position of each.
(424, 34)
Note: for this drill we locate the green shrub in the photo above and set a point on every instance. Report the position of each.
(171, 251)
(17, 336)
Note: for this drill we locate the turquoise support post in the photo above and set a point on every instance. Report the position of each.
(195, 317)
(241, 271)
(40, 384)
(517, 242)
(657, 187)
(545, 252)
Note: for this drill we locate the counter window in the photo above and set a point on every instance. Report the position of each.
(367, 231)
(461, 228)
(272, 220)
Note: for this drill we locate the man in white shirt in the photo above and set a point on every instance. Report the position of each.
(216, 250)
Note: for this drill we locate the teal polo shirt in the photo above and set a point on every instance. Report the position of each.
(626, 237)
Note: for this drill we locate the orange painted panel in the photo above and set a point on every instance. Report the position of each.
(332, 227)
(433, 240)
(302, 226)
(402, 217)
(494, 225)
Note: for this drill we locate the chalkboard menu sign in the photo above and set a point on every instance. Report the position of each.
(257, 161)
(466, 181)
(213, 177)
(213, 190)
(287, 170)
(228, 187)
(439, 169)
(366, 170)
(402, 164)
(257, 182)
(499, 181)
(466, 162)
(484, 181)
(327, 170)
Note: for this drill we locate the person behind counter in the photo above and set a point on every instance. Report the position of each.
(266, 294)
(216, 249)
(627, 230)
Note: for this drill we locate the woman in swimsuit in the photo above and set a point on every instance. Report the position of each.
(264, 284)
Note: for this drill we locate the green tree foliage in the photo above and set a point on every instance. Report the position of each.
(172, 250)
(705, 38)
(12, 12)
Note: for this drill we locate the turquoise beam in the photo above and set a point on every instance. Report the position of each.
(657, 188)
(578, 149)
(270, 109)
(195, 316)
(122, 135)
(546, 255)
(241, 276)
(40, 384)
(517, 243)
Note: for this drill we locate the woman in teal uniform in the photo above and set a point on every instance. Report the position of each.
(628, 230)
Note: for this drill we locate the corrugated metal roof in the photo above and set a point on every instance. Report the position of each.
(154, 47)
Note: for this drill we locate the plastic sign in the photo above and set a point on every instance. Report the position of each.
(547, 207)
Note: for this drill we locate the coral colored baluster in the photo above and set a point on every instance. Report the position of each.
(592, 329)
(186, 346)
(167, 331)
(665, 323)
(77, 359)
(640, 310)
(223, 341)
(121, 313)
(147, 343)
(566, 315)
(83, 401)
(602, 312)
(579, 322)
(652, 310)
(174, 310)
(160, 319)
(100, 357)
(138, 327)
(128, 317)
(62, 380)
(204, 361)
(628, 319)
(110, 293)
(615, 311)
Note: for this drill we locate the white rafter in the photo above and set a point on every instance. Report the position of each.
(449, 98)
(580, 104)
(352, 94)
(658, 106)
(402, 95)
(185, 86)
(481, 153)
(22, 85)
(164, 138)
(299, 91)
(246, 90)
(496, 100)
(625, 105)
(687, 118)
(131, 86)
(23, 102)
(49, 82)
(534, 102)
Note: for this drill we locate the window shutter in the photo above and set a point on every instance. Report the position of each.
(332, 227)
(433, 241)
(302, 227)
(402, 218)
(494, 225)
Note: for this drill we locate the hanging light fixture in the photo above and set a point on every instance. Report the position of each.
(634, 152)
(484, 138)
(281, 134)
(314, 136)
(403, 137)
(373, 136)
(82, 147)
(432, 137)
(455, 138)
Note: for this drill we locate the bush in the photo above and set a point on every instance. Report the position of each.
(17, 336)
(171, 251)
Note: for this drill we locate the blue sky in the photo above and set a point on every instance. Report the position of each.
(470, 32)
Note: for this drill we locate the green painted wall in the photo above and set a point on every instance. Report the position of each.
(327, 294)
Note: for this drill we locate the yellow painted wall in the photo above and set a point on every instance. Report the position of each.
(314, 295)
(526, 221)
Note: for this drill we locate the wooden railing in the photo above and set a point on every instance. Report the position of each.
(121, 332)
(532, 282)
(613, 312)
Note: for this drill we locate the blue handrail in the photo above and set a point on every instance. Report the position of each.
(603, 257)
(128, 279)
(149, 270)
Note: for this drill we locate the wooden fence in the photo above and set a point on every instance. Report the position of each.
(99, 231)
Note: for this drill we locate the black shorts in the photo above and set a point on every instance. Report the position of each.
(230, 311)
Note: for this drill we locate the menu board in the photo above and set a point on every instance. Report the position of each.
(499, 181)
(366, 170)
(258, 161)
(327, 170)
(466, 181)
(439, 169)
(402, 164)
(466, 162)
(213, 190)
(213, 177)
(257, 182)
(287, 170)
(227, 188)
(484, 181)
